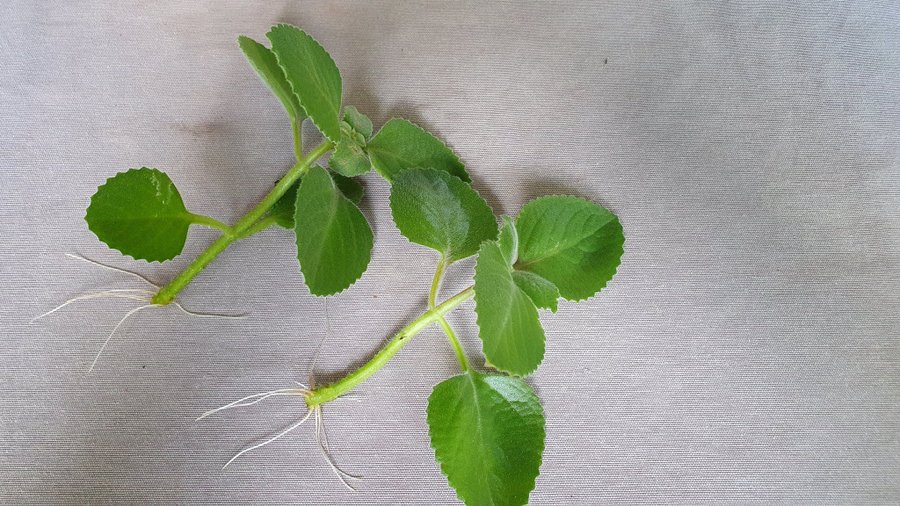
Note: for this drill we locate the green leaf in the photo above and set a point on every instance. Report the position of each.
(507, 318)
(543, 293)
(509, 240)
(436, 209)
(140, 213)
(334, 241)
(266, 66)
(488, 436)
(358, 121)
(313, 75)
(349, 157)
(571, 242)
(401, 145)
(283, 209)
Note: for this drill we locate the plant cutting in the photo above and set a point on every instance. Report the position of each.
(486, 424)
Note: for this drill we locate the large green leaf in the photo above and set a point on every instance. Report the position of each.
(266, 66)
(573, 243)
(401, 145)
(140, 213)
(508, 323)
(334, 241)
(437, 209)
(488, 436)
(283, 210)
(313, 75)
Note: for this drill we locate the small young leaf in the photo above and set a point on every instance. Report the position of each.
(140, 213)
(402, 145)
(507, 318)
(571, 242)
(313, 75)
(358, 121)
(509, 240)
(543, 293)
(266, 65)
(488, 436)
(334, 240)
(436, 209)
(349, 157)
(283, 209)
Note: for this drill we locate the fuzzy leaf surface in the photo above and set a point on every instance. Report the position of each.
(401, 145)
(358, 121)
(438, 210)
(334, 240)
(571, 242)
(543, 293)
(508, 240)
(264, 62)
(349, 158)
(313, 75)
(487, 432)
(283, 211)
(140, 213)
(508, 323)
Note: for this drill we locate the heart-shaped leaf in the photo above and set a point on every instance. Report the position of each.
(488, 436)
(401, 145)
(571, 242)
(334, 240)
(313, 75)
(437, 209)
(140, 213)
(283, 209)
(266, 66)
(508, 323)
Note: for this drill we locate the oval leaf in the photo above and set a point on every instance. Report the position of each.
(263, 61)
(401, 145)
(508, 323)
(140, 213)
(313, 75)
(488, 436)
(571, 242)
(349, 158)
(436, 209)
(334, 241)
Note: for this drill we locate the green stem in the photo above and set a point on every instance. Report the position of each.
(445, 325)
(328, 393)
(259, 226)
(209, 222)
(168, 293)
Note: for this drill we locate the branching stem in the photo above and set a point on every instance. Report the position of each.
(445, 325)
(239, 231)
(328, 393)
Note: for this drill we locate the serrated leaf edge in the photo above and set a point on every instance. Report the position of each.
(152, 169)
(442, 463)
(478, 322)
(450, 149)
(621, 228)
(284, 69)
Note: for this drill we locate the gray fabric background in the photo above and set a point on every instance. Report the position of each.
(747, 350)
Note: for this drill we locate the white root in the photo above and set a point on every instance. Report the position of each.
(289, 429)
(111, 334)
(246, 401)
(209, 315)
(322, 439)
(119, 293)
(110, 267)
